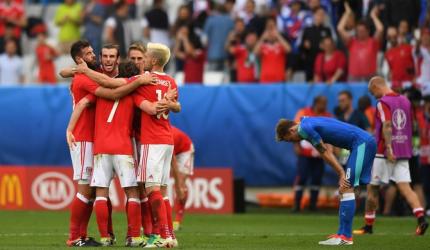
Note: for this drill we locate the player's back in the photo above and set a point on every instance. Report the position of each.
(155, 129)
(113, 126)
(182, 141)
(335, 132)
(84, 129)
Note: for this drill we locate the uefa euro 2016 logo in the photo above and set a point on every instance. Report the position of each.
(399, 119)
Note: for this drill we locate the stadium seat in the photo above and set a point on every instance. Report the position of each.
(33, 10)
(179, 78)
(213, 78)
(63, 62)
(29, 68)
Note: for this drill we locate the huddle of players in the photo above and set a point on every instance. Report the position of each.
(107, 104)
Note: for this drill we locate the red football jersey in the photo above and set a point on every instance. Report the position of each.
(273, 60)
(13, 11)
(155, 129)
(362, 57)
(45, 58)
(182, 141)
(401, 64)
(113, 126)
(244, 65)
(81, 87)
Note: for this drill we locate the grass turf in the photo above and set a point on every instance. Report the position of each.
(261, 229)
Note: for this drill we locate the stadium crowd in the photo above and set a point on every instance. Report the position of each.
(228, 40)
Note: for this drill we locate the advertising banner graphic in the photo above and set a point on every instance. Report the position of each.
(52, 188)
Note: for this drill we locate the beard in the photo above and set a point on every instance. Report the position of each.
(93, 65)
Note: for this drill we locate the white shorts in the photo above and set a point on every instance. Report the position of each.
(154, 165)
(82, 161)
(383, 171)
(105, 166)
(185, 161)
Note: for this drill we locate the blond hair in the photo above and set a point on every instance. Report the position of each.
(160, 52)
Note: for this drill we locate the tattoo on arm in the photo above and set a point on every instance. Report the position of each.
(387, 132)
(321, 148)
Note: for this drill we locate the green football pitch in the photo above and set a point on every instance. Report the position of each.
(259, 229)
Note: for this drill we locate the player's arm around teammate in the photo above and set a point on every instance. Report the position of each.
(77, 111)
(103, 79)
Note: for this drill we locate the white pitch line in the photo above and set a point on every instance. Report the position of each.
(280, 234)
(31, 234)
(210, 234)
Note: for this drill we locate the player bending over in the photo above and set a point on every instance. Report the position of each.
(394, 137)
(319, 131)
(182, 169)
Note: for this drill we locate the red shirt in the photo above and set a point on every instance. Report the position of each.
(383, 113)
(273, 62)
(193, 68)
(325, 68)
(13, 11)
(362, 57)
(113, 127)
(245, 67)
(155, 129)
(45, 55)
(105, 2)
(182, 142)
(81, 87)
(401, 64)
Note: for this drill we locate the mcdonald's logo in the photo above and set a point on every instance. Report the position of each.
(10, 190)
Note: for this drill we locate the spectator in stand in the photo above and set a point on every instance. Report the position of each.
(184, 18)
(8, 35)
(422, 61)
(424, 124)
(235, 37)
(345, 112)
(309, 163)
(10, 65)
(156, 24)
(252, 20)
(400, 60)
(68, 18)
(246, 61)
(116, 31)
(311, 40)
(189, 49)
(12, 16)
(365, 106)
(216, 30)
(272, 49)
(330, 64)
(93, 18)
(405, 33)
(46, 54)
(363, 49)
(289, 23)
(398, 10)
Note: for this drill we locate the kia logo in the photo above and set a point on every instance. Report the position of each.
(53, 190)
